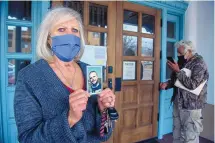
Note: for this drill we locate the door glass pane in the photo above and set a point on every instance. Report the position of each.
(56, 4)
(148, 23)
(130, 22)
(19, 39)
(98, 15)
(146, 70)
(170, 53)
(147, 47)
(170, 29)
(14, 66)
(129, 70)
(97, 38)
(19, 10)
(77, 6)
(170, 49)
(129, 45)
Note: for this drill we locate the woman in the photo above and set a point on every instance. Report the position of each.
(51, 104)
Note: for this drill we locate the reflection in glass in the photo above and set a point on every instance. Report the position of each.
(130, 22)
(19, 39)
(19, 10)
(170, 49)
(147, 47)
(54, 4)
(76, 5)
(148, 23)
(98, 15)
(97, 38)
(129, 45)
(14, 66)
(170, 53)
(146, 70)
(170, 29)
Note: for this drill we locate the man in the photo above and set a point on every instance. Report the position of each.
(95, 84)
(187, 116)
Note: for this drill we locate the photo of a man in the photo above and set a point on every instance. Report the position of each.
(94, 78)
(95, 83)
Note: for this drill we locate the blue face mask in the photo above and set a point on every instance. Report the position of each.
(66, 47)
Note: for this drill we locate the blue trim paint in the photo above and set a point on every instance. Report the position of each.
(1, 128)
(178, 7)
(8, 131)
(34, 29)
(18, 23)
(175, 19)
(182, 25)
(3, 63)
(163, 74)
(171, 40)
(168, 108)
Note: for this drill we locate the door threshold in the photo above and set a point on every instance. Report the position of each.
(151, 140)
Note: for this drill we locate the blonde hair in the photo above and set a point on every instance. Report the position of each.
(188, 45)
(53, 18)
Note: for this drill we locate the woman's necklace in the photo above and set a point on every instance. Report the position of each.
(70, 85)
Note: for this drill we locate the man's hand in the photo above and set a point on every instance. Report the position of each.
(163, 85)
(173, 66)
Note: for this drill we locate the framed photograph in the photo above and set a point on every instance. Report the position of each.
(94, 79)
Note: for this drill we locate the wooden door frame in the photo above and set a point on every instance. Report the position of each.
(119, 43)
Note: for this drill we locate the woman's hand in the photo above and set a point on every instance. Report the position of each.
(77, 103)
(106, 99)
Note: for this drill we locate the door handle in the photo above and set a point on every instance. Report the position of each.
(110, 83)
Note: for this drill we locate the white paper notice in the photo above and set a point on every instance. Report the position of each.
(95, 55)
(129, 70)
(147, 70)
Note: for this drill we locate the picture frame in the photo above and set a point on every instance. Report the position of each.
(94, 79)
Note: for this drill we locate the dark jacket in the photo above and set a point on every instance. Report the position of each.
(41, 106)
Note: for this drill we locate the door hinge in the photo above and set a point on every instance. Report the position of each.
(110, 83)
(161, 22)
(158, 117)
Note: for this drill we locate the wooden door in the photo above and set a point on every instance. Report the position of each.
(138, 65)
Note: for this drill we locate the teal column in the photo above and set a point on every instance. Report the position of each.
(182, 25)
(3, 15)
(163, 73)
(0, 84)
